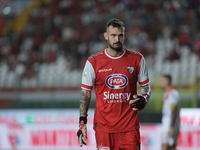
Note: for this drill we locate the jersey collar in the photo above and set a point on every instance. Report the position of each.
(115, 57)
(167, 93)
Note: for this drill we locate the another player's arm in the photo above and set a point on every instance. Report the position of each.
(173, 118)
(173, 114)
(84, 102)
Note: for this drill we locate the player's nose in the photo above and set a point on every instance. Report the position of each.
(117, 39)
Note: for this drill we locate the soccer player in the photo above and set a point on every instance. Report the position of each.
(170, 114)
(114, 72)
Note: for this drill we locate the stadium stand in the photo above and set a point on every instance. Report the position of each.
(53, 45)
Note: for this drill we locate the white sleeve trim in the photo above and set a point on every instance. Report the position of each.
(85, 89)
(145, 84)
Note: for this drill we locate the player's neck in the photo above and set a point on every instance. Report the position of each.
(114, 53)
(168, 88)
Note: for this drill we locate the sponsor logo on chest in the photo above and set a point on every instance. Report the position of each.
(116, 81)
(116, 97)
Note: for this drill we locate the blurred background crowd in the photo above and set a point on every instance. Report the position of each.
(45, 44)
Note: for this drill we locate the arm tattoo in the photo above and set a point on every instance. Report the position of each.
(173, 116)
(84, 102)
(146, 90)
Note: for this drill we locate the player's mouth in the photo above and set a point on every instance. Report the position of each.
(117, 44)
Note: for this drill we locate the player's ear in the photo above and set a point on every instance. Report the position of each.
(124, 35)
(106, 35)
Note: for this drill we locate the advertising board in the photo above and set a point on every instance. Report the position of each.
(56, 129)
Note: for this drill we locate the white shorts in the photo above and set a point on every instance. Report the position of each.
(171, 141)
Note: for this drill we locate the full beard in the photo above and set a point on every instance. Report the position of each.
(118, 49)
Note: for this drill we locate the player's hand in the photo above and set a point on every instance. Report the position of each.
(138, 102)
(82, 132)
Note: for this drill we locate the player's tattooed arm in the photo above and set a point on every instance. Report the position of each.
(146, 90)
(84, 102)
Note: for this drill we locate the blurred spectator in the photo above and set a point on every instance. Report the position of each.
(29, 71)
(2, 24)
(173, 55)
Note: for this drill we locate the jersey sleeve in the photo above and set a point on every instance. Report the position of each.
(143, 77)
(174, 99)
(88, 76)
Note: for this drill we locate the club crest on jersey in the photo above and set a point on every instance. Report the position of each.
(116, 81)
(130, 69)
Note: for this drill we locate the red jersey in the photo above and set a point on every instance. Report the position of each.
(115, 80)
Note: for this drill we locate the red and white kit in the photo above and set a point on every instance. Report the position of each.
(115, 80)
(171, 97)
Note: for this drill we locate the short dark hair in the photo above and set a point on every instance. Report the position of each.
(168, 77)
(115, 23)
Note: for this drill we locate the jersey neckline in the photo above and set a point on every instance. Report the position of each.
(114, 57)
(168, 92)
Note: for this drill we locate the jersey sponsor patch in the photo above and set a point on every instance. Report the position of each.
(116, 97)
(130, 69)
(116, 81)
